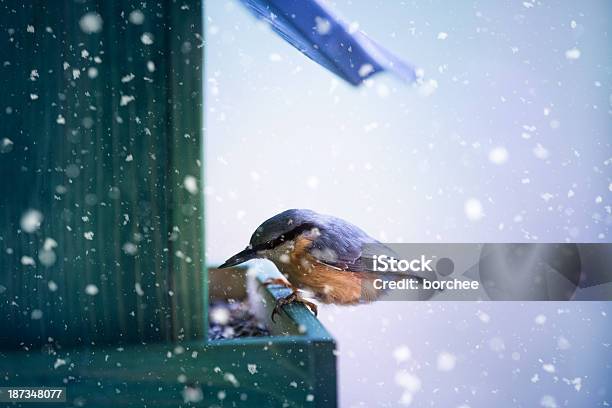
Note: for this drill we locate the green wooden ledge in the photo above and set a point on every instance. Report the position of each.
(295, 367)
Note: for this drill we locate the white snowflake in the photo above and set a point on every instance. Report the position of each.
(91, 289)
(446, 361)
(91, 23)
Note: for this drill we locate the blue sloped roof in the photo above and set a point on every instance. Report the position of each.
(325, 38)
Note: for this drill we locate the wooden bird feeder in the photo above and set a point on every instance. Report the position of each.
(103, 281)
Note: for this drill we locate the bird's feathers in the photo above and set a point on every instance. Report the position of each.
(327, 255)
(337, 243)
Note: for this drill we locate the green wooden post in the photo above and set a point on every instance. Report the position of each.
(100, 156)
(101, 220)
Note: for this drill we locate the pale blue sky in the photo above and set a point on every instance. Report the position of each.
(518, 129)
(282, 132)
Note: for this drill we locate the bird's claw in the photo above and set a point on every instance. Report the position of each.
(311, 306)
(292, 298)
(282, 302)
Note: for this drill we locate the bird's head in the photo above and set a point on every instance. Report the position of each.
(276, 231)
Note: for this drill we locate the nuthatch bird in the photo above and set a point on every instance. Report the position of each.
(319, 253)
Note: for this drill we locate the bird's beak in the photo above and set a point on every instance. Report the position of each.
(239, 258)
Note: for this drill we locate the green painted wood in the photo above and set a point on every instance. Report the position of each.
(254, 374)
(295, 368)
(100, 134)
(116, 182)
(295, 320)
(185, 47)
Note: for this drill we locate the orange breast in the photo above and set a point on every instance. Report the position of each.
(330, 285)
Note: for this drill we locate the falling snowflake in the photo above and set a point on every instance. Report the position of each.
(498, 155)
(322, 25)
(191, 184)
(192, 394)
(563, 343)
(58, 363)
(446, 361)
(130, 248)
(127, 78)
(473, 209)
(572, 54)
(91, 289)
(312, 182)
(136, 17)
(401, 354)
(146, 38)
(91, 23)
(219, 315)
(125, 99)
(484, 317)
(31, 220)
(6, 145)
(27, 261)
(365, 70)
(540, 319)
(274, 57)
(231, 378)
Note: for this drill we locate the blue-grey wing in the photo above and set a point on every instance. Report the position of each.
(347, 248)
